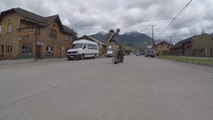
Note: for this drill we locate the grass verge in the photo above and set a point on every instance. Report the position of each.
(194, 60)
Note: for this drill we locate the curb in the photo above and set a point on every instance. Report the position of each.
(203, 64)
(24, 61)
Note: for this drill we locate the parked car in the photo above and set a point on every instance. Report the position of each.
(137, 53)
(109, 51)
(149, 52)
(82, 49)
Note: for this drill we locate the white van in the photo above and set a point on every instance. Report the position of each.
(83, 49)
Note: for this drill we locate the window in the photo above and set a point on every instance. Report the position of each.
(91, 46)
(49, 50)
(38, 31)
(77, 45)
(9, 27)
(8, 48)
(53, 33)
(84, 46)
(66, 37)
(26, 49)
(0, 29)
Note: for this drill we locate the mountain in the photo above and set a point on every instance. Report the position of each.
(137, 39)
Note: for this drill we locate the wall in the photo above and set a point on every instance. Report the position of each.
(9, 38)
(202, 45)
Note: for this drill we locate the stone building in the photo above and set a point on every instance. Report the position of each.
(24, 34)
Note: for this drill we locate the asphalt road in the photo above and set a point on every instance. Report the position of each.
(138, 89)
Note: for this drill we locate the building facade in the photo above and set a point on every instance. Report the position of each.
(162, 48)
(24, 34)
(198, 45)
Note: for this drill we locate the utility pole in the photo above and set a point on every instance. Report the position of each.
(153, 39)
(36, 42)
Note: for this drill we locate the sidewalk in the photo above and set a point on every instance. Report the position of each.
(23, 61)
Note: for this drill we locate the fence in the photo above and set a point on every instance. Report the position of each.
(205, 52)
(8, 56)
(12, 56)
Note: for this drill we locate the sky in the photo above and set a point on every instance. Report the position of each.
(91, 16)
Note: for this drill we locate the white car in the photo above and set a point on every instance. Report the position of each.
(83, 49)
(109, 51)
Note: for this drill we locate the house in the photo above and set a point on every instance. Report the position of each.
(163, 48)
(182, 48)
(102, 46)
(198, 45)
(25, 34)
(202, 45)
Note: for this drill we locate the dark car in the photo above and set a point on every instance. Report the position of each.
(149, 52)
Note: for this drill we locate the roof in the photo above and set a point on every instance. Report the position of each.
(68, 30)
(85, 41)
(51, 18)
(93, 39)
(25, 14)
(180, 43)
(38, 19)
(166, 42)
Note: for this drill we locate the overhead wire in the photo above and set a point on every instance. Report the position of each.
(175, 17)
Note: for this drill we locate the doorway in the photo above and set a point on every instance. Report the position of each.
(39, 52)
(2, 52)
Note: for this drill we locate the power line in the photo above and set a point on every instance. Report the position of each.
(155, 20)
(175, 17)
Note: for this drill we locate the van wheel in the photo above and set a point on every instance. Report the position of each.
(82, 57)
(95, 56)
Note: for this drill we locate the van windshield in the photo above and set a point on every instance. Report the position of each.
(77, 45)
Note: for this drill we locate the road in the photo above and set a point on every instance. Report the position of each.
(138, 89)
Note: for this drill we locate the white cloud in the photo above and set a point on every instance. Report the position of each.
(87, 17)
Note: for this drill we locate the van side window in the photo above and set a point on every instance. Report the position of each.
(92, 46)
(84, 46)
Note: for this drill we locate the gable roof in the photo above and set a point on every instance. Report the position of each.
(92, 39)
(53, 18)
(25, 14)
(68, 30)
(166, 42)
(180, 43)
(45, 21)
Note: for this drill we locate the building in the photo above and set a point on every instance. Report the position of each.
(163, 48)
(182, 48)
(24, 34)
(198, 45)
(102, 46)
